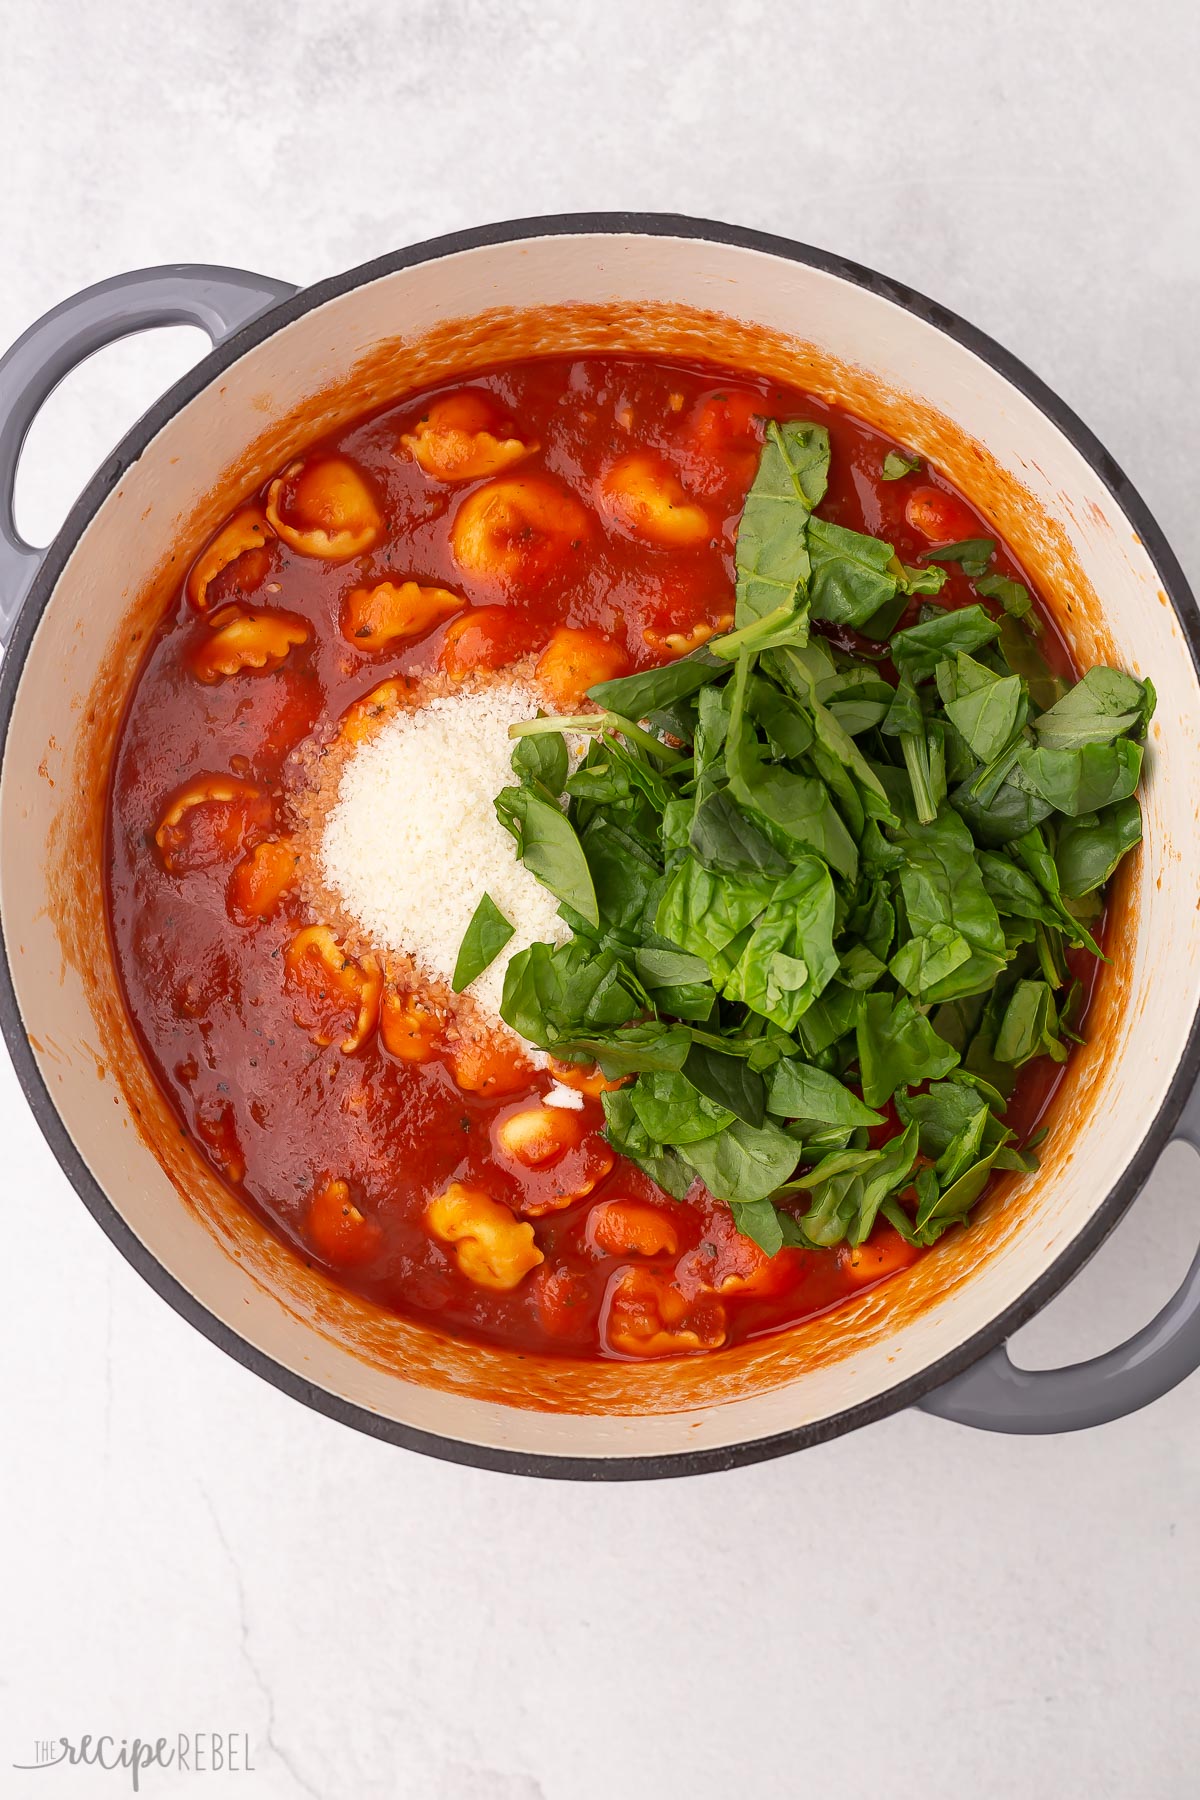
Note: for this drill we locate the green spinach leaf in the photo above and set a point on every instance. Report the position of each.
(743, 1162)
(772, 550)
(549, 846)
(971, 554)
(850, 574)
(917, 651)
(897, 464)
(484, 939)
(897, 1047)
(1090, 846)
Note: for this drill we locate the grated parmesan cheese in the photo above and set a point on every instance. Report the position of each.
(570, 1099)
(412, 842)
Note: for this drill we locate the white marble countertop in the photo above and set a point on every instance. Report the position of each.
(916, 1610)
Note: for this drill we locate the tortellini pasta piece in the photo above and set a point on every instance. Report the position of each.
(643, 495)
(564, 1159)
(941, 517)
(491, 1247)
(338, 1231)
(730, 422)
(409, 1024)
(486, 637)
(458, 440)
(538, 1135)
(574, 660)
(364, 717)
(262, 878)
(248, 530)
(517, 529)
(375, 617)
(680, 643)
(337, 997)
(242, 640)
(209, 821)
(632, 1228)
(647, 1315)
(324, 507)
(726, 1261)
(489, 1066)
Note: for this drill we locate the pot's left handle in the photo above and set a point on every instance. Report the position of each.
(218, 300)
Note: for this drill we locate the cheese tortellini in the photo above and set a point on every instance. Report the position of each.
(374, 618)
(538, 1134)
(409, 1024)
(648, 1316)
(491, 1247)
(336, 997)
(646, 498)
(324, 507)
(517, 528)
(459, 439)
(247, 531)
(363, 718)
(262, 878)
(243, 640)
(488, 1066)
(631, 1228)
(208, 822)
(337, 1229)
(564, 1160)
(682, 642)
(575, 660)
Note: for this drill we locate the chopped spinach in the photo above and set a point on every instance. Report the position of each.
(815, 894)
(896, 464)
(484, 939)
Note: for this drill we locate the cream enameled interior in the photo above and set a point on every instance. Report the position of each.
(133, 532)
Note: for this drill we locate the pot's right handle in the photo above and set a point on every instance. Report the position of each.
(219, 300)
(995, 1395)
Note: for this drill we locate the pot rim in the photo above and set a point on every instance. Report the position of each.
(590, 1468)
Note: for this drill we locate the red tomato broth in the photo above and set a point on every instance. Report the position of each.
(281, 1117)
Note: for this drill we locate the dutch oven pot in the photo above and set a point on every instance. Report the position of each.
(286, 365)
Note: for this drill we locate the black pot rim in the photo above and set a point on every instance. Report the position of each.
(616, 1468)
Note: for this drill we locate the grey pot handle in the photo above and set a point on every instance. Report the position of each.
(218, 300)
(995, 1395)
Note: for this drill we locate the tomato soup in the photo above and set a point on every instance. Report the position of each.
(559, 522)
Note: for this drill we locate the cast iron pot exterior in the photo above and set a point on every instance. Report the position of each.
(975, 1381)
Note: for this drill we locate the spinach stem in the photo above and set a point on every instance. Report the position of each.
(916, 761)
(729, 647)
(599, 723)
